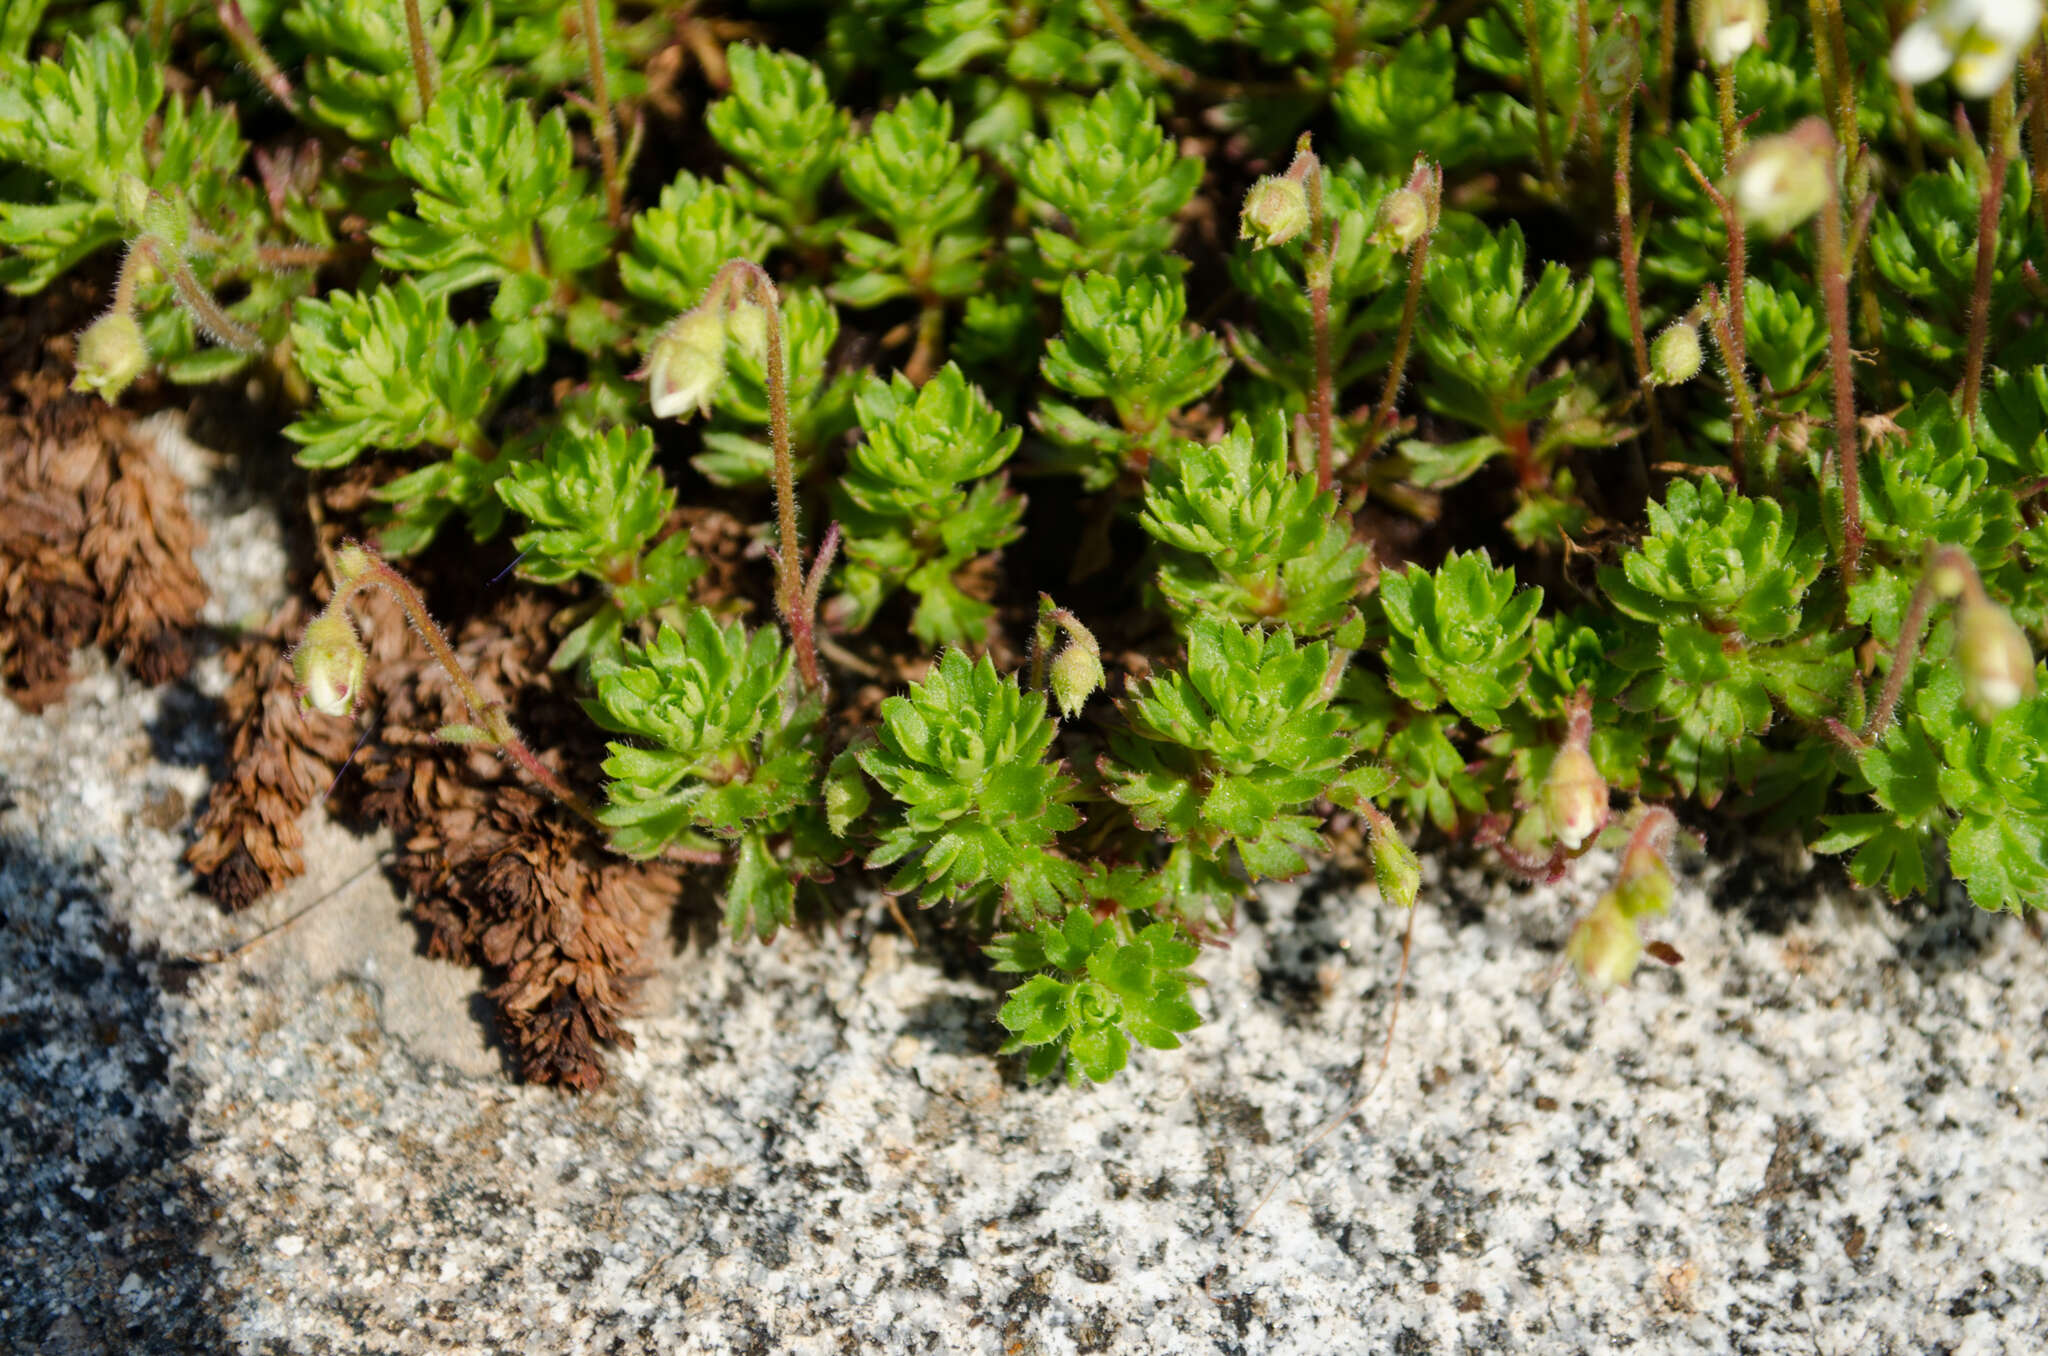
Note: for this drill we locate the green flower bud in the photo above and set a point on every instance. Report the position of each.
(352, 562)
(1604, 948)
(1997, 661)
(1275, 211)
(1724, 29)
(1395, 867)
(1644, 884)
(1076, 674)
(748, 327)
(686, 366)
(1675, 355)
(329, 663)
(1404, 219)
(131, 203)
(1778, 182)
(111, 355)
(1574, 796)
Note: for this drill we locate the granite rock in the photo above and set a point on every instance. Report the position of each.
(1823, 1131)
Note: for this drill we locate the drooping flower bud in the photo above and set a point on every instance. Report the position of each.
(748, 326)
(1981, 40)
(1404, 219)
(1997, 661)
(1395, 867)
(1076, 674)
(329, 663)
(1780, 181)
(1604, 948)
(686, 365)
(1724, 29)
(1675, 354)
(1574, 797)
(1275, 211)
(1644, 885)
(111, 354)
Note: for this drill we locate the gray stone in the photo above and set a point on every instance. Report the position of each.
(1823, 1131)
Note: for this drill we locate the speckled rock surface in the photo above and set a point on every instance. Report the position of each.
(1826, 1131)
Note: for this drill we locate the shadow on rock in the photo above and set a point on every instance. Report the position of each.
(104, 1221)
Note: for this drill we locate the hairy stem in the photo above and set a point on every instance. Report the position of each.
(1546, 154)
(372, 572)
(1742, 402)
(1735, 346)
(1667, 60)
(205, 311)
(422, 57)
(792, 599)
(1321, 249)
(606, 127)
(2037, 126)
(1834, 266)
(1830, 34)
(249, 48)
(1990, 200)
(1411, 301)
(1731, 129)
(1631, 270)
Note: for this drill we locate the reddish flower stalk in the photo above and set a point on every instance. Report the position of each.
(1428, 181)
(1321, 251)
(422, 55)
(607, 130)
(1834, 267)
(1990, 200)
(359, 568)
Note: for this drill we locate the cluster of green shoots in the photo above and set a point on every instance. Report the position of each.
(1404, 528)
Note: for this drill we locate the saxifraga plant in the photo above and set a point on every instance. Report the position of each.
(1379, 504)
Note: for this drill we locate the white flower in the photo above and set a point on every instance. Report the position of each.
(687, 364)
(1725, 29)
(1980, 39)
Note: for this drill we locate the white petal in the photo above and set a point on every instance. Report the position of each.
(1920, 54)
(1979, 75)
(2008, 21)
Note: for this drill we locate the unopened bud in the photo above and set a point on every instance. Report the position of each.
(131, 203)
(748, 326)
(1404, 219)
(1275, 211)
(1574, 797)
(329, 663)
(111, 354)
(1997, 661)
(463, 734)
(1076, 674)
(1395, 867)
(352, 562)
(1780, 181)
(1725, 29)
(1644, 884)
(1675, 354)
(687, 364)
(1604, 948)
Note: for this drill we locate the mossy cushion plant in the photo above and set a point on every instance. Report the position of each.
(1542, 424)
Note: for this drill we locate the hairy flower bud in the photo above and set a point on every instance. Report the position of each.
(1979, 40)
(1076, 674)
(1404, 219)
(1395, 867)
(328, 665)
(1574, 796)
(1675, 354)
(1604, 947)
(1997, 661)
(1780, 181)
(748, 327)
(1724, 29)
(111, 354)
(686, 366)
(1275, 211)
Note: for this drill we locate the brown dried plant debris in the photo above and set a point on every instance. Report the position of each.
(281, 758)
(95, 542)
(500, 876)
